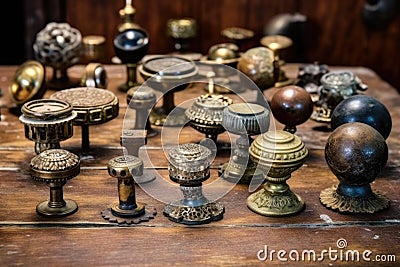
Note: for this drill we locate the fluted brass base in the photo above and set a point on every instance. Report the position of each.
(191, 215)
(275, 200)
(374, 202)
(117, 211)
(69, 208)
(242, 174)
(160, 118)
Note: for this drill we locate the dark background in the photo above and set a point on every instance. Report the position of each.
(334, 32)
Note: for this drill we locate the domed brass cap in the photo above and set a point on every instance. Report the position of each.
(125, 166)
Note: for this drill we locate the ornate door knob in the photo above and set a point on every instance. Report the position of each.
(55, 167)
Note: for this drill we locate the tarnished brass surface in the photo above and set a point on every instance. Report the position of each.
(276, 42)
(189, 165)
(55, 167)
(281, 153)
(94, 47)
(205, 114)
(92, 105)
(127, 15)
(47, 122)
(244, 119)
(356, 153)
(181, 30)
(124, 168)
(27, 83)
(95, 75)
(237, 34)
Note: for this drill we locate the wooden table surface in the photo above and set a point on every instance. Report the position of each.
(85, 238)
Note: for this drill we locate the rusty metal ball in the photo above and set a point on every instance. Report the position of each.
(291, 105)
(356, 153)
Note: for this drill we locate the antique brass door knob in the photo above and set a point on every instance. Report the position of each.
(92, 105)
(142, 99)
(205, 114)
(55, 167)
(127, 210)
(245, 120)
(291, 105)
(95, 75)
(189, 166)
(47, 122)
(356, 153)
(93, 46)
(168, 74)
(280, 153)
(181, 31)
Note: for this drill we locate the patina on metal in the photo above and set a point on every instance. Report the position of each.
(95, 75)
(127, 210)
(189, 166)
(142, 99)
(47, 122)
(28, 83)
(127, 15)
(335, 87)
(205, 114)
(281, 153)
(291, 106)
(245, 120)
(181, 31)
(94, 48)
(55, 167)
(92, 105)
(356, 153)
(168, 74)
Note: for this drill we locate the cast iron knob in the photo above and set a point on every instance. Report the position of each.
(356, 153)
(365, 109)
(55, 167)
(291, 106)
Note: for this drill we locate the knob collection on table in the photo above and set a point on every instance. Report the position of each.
(356, 150)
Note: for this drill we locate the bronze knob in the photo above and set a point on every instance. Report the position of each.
(245, 120)
(356, 153)
(47, 122)
(94, 47)
(124, 168)
(92, 105)
(55, 167)
(279, 153)
(181, 31)
(291, 105)
(95, 75)
(189, 166)
(142, 99)
(205, 114)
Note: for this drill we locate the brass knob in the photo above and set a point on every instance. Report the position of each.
(189, 166)
(356, 153)
(142, 99)
(55, 167)
(95, 75)
(279, 153)
(94, 47)
(47, 122)
(92, 105)
(205, 114)
(181, 30)
(124, 168)
(245, 120)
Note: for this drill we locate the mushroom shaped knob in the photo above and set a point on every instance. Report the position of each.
(55, 167)
(365, 109)
(291, 106)
(356, 153)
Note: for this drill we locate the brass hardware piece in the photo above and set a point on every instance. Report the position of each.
(94, 47)
(181, 31)
(189, 166)
(127, 15)
(95, 75)
(92, 105)
(245, 120)
(55, 167)
(47, 122)
(309, 76)
(280, 153)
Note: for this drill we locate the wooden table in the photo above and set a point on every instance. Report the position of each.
(85, 238)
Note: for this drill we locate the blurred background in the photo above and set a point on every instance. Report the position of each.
(336, 32)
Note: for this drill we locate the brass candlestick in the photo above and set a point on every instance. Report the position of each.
(55, 167)
(189, 165)
(47, 122)
(280, 153)
(356, 153)
(244, 119)
(93, 106)
(127, 210)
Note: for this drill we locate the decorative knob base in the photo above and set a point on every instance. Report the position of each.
(275, 200)
(321, 114)
(191, 215)
(44, 209)
(117, 211)
(148, 215)
(159, 117)
(373, 202)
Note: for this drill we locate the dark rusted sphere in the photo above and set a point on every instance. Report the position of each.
(356, 153)
(291, 105)
(365, 109)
